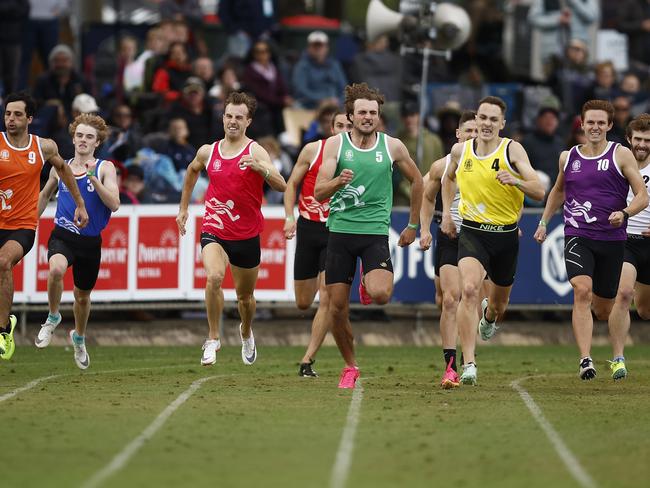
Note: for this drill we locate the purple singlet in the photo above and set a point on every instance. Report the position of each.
(593, 189)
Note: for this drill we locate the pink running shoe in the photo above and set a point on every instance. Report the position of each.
(364, 298)
(450, 378)
(349, 377)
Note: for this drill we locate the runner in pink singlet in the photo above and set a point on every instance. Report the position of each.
(237, 168)
(311, 239)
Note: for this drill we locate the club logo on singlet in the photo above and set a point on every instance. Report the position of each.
(575, 166)
(576, 209)
(313, 206)
(216, 166)
(219, 208)
(349, 155)
(349, 193)
(4, 155)
(5, 196)
(468, 165)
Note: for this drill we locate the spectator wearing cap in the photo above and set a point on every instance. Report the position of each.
(170, 77)
(84, 104)
(316, 76)
(133, 190)
(193, 107)
(432, 150)
(264, 80)
(544, 145)
(60, 81)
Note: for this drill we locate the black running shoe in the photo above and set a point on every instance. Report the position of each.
(306, 371)
(587, 370)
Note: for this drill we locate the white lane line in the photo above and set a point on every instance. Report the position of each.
(565, 454)
(28, 386)
(122, 458)
(341, 467)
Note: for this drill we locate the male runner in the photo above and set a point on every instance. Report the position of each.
(357, 175)
(237, 168)
(22, 157)
(311, 239)
(71, 246)
(493, 173)
(593, 184)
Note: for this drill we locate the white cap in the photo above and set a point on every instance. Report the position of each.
(85, 104)
(318, 36)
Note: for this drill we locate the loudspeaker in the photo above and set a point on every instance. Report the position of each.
(381, 20)
(452, 26)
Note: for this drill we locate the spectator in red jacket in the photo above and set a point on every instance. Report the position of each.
(170, 78)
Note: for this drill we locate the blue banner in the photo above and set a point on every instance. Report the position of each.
(541, 275)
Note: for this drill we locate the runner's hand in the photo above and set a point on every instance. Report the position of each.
(289, 228)
(181, 219)
(425, 239)
(447, 226)
(81, 217)
(540, 234)
(406, 237)
(616, 219)
(346, 176)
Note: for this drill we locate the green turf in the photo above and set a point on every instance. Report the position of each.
(263, 426)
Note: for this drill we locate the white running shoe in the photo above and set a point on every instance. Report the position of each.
(210, 349)
(47, 330)
(469, 374)
(485, 328)
(248, 349)
(81, 356)
(586, 370)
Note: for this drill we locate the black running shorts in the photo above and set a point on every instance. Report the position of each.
(600, 260)
(84, 254)
(311, 249)
(243, 254)
(344, 249)
(496, 250)
(637, 253)
(24, 237)
(446, 251)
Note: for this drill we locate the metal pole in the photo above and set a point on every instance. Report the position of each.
(426, 52)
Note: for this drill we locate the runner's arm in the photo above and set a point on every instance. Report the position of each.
(192, 173)
(326, 184)
(448, 191)
(529, 182)
(48, 191)
(106, 188)
(261, 163)
(554, 201)
(51, 154)
(402, 159)
(630, 169)
(299, 171)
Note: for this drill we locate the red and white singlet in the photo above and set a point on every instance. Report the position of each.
(233, 200)
(308, 206)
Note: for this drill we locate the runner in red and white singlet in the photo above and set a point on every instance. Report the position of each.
(311, 239)
(233, 199)
(21, 158)
(237, 167)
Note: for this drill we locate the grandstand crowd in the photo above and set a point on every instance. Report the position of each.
(162, 93)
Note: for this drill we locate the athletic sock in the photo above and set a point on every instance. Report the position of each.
(53, 317)
(619, 358)
(78, 340)
(450, 354)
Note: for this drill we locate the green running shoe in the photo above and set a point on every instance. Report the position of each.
(618, 369)
(7, 344)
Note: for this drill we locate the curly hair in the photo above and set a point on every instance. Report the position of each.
(94, 121)
(241, 98)
(640, 123)
(361, 91)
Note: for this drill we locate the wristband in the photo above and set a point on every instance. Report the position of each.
(267, 173)
(290, 219)
(412, 226)
(625, 214)
(518, 184)
(90, 172)
(542, 223)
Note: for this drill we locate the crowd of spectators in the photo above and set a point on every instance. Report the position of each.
(163, 94)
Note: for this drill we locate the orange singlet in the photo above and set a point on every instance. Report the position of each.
(20, 171)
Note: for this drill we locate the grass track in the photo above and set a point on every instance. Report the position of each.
(265, 426)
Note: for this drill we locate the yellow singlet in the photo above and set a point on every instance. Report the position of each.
(482, 198)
